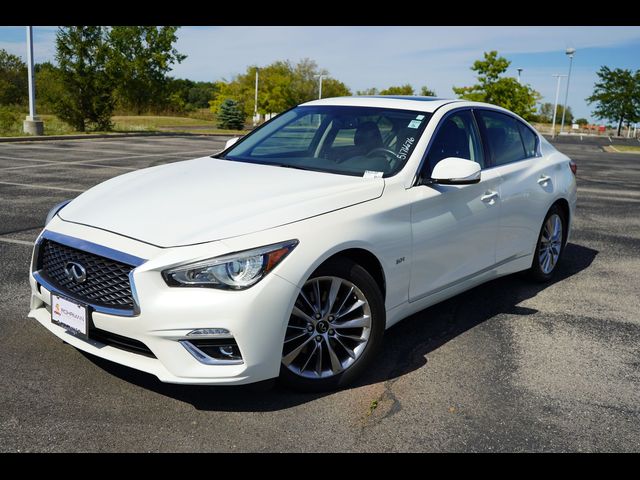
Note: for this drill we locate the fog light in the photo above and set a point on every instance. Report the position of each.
(217, 332)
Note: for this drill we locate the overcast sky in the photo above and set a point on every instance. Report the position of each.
(364, 57)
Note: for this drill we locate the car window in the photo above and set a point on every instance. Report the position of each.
(503, 137)
(456, 136)
(529, 139)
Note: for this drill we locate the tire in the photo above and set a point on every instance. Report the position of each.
(543, 270)
(315, 355)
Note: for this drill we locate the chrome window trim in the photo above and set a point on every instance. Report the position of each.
(204, 358)
(95, 249)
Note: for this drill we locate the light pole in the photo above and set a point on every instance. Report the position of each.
(555, 105)
(255, 102)
(32, 124)
(570, 53)
(519, 72)
(320, 77)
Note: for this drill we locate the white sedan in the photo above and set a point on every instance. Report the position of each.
(289, 253)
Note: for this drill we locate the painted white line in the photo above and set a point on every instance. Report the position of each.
(580, 137)
(52, 148)
(46, 187)
(23, 159)
(16, 241)
(185, 155)
(610, 141)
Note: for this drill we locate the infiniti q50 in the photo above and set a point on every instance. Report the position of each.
(289, 253)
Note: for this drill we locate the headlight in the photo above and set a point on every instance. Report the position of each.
(235, 271)
(56, 208)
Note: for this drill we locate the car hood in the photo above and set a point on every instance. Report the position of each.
(208, 199)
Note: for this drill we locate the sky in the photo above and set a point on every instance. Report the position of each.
(363, 57)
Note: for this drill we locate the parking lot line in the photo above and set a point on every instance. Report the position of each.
(46, 187)
(88, 162)
(16, 241)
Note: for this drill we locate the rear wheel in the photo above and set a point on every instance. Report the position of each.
(335, 328)
(550, 245)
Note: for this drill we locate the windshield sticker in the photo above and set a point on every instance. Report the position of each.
(414, 123)
(372, 174)
(420, 117)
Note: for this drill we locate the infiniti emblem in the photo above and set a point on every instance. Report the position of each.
(75, 272)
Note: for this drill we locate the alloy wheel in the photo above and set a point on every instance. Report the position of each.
(329, 328)
(550, 244)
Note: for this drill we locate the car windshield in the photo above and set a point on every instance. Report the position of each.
(336, 139)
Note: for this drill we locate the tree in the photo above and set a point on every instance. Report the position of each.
(368, 91)
(617, 95)
(546, 113)
(427, 92)
(230, 117)
(13, 79)
(502, 91)
(282, 85)
(582, 122)
(86, 99)
(49, 86)
(139, 60)
(401, 90)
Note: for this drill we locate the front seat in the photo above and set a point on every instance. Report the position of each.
(367, 137)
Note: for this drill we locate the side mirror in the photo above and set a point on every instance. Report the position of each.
(456, 171)
(231, 142)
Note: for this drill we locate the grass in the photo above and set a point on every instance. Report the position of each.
(198, 123)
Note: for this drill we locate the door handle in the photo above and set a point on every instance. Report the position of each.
(489, 197)
(543, 179)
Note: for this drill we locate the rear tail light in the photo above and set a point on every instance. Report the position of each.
(573, 167)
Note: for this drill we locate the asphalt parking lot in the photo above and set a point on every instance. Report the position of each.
(507, 366)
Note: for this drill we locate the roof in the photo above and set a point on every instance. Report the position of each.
(401, 102)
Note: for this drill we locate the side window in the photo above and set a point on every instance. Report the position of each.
(529, 139)
(503, 137)
(457, 136)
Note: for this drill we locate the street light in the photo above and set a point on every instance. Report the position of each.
(570, 53)
(32, 124)
(519, 72)
(555, 105)
(320, 77)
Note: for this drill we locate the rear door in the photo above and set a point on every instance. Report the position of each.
(526, 186)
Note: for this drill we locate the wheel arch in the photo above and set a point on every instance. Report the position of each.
(367, 260)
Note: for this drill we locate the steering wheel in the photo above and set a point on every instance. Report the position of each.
(392, 155)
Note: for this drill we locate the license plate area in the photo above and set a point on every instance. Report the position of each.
(70, 315)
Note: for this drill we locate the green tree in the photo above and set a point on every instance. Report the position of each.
(49, 86)
(617, 95)
(398, 90)
(582, 121)
(13, 79)
(368, 91)
(427, 92)
(502, 91)
(546, 113)
(282, 85)
(86, 99)
(139, 60)
(230, 116)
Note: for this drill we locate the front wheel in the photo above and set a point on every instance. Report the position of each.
(550, 245)
(335, 328)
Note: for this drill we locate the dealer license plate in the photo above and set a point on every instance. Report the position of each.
(69, 314)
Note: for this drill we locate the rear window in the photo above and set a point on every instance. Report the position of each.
(503, 136)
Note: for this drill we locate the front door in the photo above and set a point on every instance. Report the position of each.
(454, 227)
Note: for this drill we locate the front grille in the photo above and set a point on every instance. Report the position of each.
(107, 281)
(118, 341)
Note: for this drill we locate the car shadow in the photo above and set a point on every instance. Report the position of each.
(404, 350)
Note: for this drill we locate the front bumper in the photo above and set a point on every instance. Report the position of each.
(256, 317)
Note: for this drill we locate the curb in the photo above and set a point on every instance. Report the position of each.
(42, 138)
